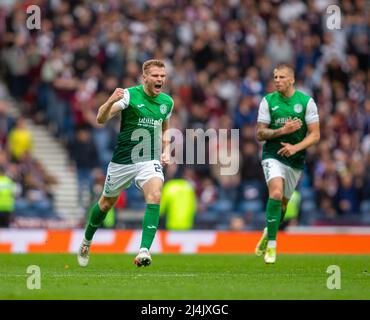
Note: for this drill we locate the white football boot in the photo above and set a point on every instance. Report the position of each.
(143, 258)
(270, 255)
(83, 253)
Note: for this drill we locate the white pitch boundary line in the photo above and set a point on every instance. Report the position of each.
(59, 275)
(51, 275)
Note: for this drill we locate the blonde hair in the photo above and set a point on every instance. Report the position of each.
(285, 66)
(153, 62)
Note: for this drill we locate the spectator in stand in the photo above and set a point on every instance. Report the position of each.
(20, 140)
(348, 195)
(83, 151)
(36, 195)
(16, 61)
(7, 198)
(250, 169)
(178, 204)
(6, 123)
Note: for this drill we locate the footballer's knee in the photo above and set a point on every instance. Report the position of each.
(105, 204)
(154, 197)
(276, 194)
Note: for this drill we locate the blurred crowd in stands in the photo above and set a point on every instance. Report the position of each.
(219, 57)
(28, 192)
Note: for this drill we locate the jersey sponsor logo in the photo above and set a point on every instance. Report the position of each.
(281, 121)
(163, 108)
(274, 108)
(149, 122)
(298, 108)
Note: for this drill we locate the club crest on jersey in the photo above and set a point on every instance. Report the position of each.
(298, 108)
(163, 108)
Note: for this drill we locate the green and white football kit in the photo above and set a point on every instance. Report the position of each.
(275, 110)
(137, 152)
(136, 158)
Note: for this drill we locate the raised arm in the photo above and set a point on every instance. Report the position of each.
(110, 108)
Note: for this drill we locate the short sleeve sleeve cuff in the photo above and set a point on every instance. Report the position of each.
(170, 113)
(312, 114)
(124, 102)
(264, 112)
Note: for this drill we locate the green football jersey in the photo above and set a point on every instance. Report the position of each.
(275, 110)
(141, 124)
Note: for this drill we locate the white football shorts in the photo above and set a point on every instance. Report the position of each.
(120, 176)
(273, 168)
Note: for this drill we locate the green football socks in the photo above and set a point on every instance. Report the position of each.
(150, 225)
(95, 220)
(273, 213)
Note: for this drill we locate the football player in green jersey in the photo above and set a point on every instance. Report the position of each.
(138, 155)
(288, 122)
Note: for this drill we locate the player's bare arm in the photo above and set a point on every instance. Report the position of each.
(266, 133)
(312, 138)
(166, 140)
(108, 110)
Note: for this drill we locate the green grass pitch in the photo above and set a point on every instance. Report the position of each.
(239, 277)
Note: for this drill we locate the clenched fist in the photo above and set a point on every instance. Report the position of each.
(165, 158)
(116, 96)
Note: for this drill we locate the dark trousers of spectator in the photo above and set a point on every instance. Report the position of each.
(85, 186)
(19, 86)
(4, 219)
